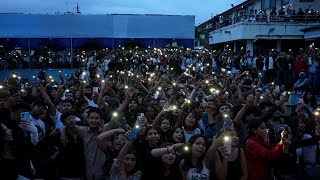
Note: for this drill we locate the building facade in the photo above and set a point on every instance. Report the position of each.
(109, 30)
(258, 25)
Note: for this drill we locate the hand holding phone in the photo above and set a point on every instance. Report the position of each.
(184, 151)
(228, 123)
(134, 132)
(25, 116)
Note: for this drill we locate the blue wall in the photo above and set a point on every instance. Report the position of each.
(96, 26)
(28, 73)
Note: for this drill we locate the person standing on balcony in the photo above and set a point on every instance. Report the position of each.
(300, 15)
(273, 15)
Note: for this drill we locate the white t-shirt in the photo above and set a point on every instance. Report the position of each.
(264, 64)
(91, 103)
(192, 174)
(214, 63)
(309, 152)
(270, 63)
(187, 136)
(39, 123)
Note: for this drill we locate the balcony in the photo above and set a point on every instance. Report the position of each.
(248, 28)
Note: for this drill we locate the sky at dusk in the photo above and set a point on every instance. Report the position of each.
(202, 9)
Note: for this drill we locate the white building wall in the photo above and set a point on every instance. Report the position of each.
(312, 34)
(256, 30)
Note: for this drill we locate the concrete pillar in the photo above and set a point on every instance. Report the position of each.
(249, 46)
(279, 45)
(234, 46)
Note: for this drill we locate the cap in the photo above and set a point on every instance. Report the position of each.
(114, 102)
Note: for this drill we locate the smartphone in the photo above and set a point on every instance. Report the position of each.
(184, 151)
(96, 89)
(284, 93)
(204, 117)
(83, 75)
(134, 132)
(25, 116)
(206, 104)
(228, 144)
(227, 122)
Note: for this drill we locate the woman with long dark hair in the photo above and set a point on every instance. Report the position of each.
(167, 162)
(196, 165)
(11, 164)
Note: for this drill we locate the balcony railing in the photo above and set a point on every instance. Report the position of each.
(223, 21)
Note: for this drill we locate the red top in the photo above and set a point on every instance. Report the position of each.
(299, 65)
(258, 154)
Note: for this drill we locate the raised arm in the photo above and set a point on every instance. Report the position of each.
(59, 93)
(125, 103)
(102, 139)
(47, 100)
(158, 118)
(118, 163)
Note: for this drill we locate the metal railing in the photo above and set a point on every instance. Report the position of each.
(224, 21)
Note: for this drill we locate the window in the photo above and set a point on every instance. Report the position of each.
(284, 2)
(268, 4)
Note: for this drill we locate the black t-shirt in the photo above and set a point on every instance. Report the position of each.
(234, 167)
(71, 158)
(147, 162)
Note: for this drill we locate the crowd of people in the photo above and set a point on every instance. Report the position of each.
(284, 14)
(161, 113)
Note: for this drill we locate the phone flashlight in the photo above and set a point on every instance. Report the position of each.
(227, 144)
